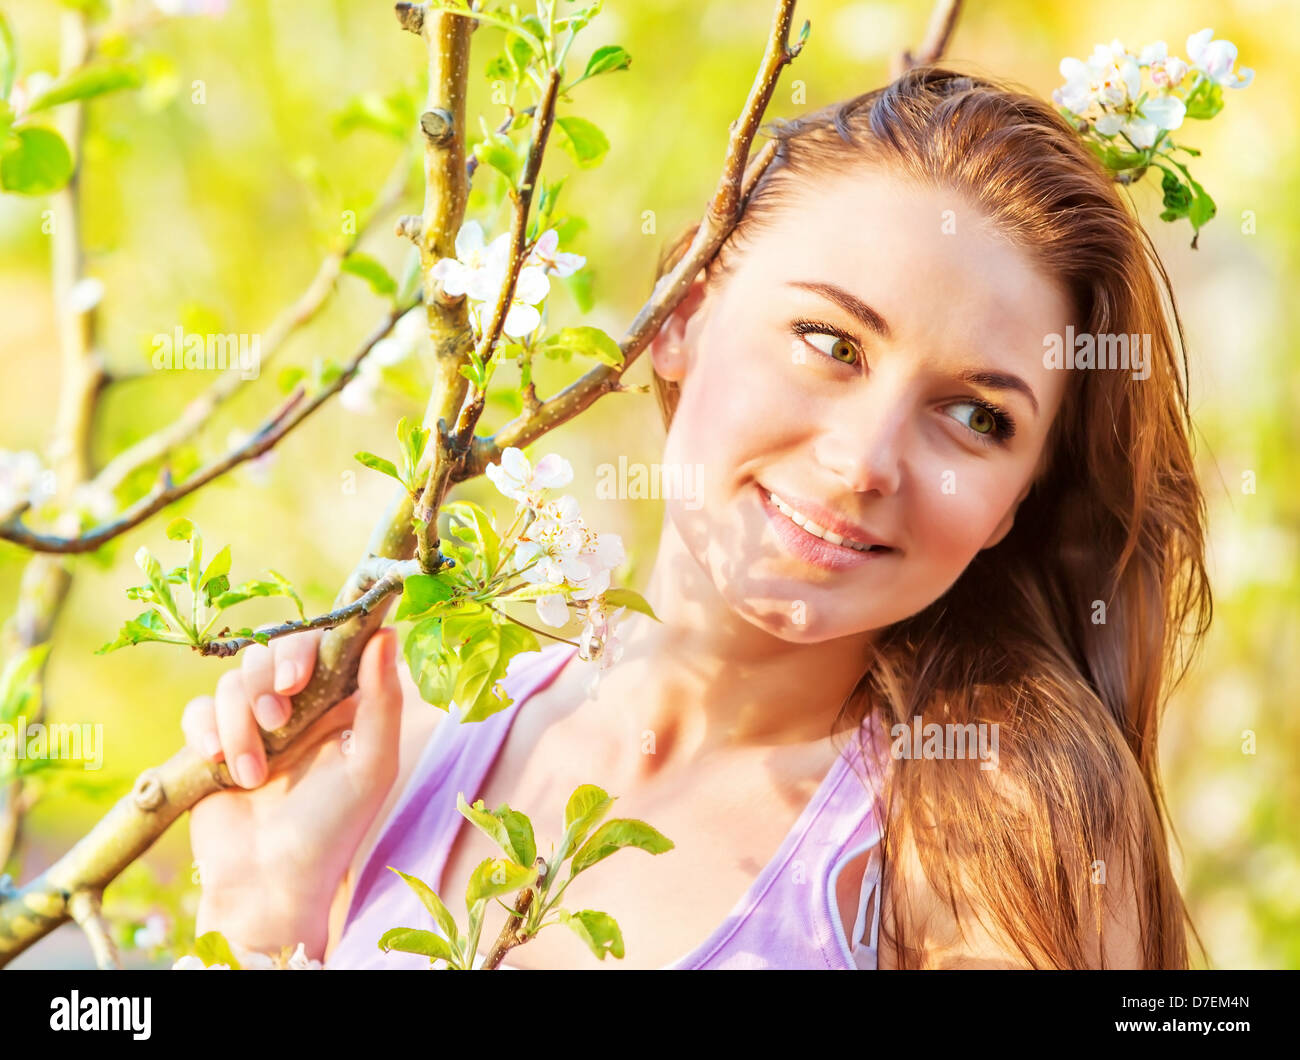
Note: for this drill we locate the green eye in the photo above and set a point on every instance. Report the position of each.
(838, 347)
(982, 421)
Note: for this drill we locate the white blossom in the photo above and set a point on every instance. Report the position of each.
(550, 548)
(545, 253)
(519, 480)
(1216, 58)
(470, 271)
(522, 316)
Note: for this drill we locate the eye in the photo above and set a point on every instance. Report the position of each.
(990, 424)
(841, 346)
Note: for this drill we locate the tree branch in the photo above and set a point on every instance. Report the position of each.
(291, 413)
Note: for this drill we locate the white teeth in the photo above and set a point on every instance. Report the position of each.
(812, 527)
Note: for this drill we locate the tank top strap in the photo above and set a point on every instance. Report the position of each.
(456, 759)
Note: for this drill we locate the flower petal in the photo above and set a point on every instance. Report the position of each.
(553, 610)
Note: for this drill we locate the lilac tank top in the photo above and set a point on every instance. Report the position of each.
(788, 918)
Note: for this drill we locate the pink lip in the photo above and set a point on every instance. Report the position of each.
(814, 550)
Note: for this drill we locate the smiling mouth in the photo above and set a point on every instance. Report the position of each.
(813, 529)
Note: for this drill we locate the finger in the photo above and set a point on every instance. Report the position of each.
(257, 671)
(378, 721)
(295, 658)
(240, 739)
(199, 724)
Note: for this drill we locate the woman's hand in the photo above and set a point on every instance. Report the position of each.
(272, 852)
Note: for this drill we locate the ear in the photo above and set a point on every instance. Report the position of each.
(669, 349)
(1008, 520)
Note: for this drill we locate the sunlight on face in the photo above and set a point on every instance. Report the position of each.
(873, 415)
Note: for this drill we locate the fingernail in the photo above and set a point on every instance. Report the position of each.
(248, 772)
(212, 746)
(286, 675)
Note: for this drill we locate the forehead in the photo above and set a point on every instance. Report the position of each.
(949, 285)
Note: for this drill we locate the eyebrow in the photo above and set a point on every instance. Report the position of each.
(851, 304)
(873, 321)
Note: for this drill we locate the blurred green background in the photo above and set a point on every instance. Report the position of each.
(213, 216)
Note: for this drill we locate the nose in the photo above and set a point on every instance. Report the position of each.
(862, 444)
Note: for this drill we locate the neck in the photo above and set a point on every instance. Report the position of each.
(705, 679)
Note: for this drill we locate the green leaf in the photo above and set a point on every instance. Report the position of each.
(257, 587)
(411, 440)
(613, 836)
(585, 809)
(422, 593)
(148, 625)
(509, 829)
(497, 876)
(219, 567)
(483, 664)
(631, 599)
(378, 463)
(87, 82)
(373, 272)
(498, 151)
(212, 948)
(196, 562)
(8, 57)
(1202, 209)
(468, 621)
(587, 342)
(411, 940)
(1205, 101)
(432, 669)
(583, 140)
(179, 530)
(1177, 197)
(598, 930)
(606, 59)
(214, 588)
(441, 914)
(148, 563)
(477, 523)
(38, 163)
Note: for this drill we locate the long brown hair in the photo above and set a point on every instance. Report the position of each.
(1068, 633)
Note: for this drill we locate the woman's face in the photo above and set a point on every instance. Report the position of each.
(871, 416)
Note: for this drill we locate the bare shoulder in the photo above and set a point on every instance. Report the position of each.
(961, 922)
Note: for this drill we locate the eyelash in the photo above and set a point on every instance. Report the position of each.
(1004, 427)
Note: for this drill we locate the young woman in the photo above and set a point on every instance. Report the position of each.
(907, 517)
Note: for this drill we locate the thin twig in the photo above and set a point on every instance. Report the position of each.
(84, 907)
(277, 425)
(391, 581)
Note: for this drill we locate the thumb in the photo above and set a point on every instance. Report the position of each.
(377, 724)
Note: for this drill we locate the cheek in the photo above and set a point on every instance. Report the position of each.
(957, 511)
